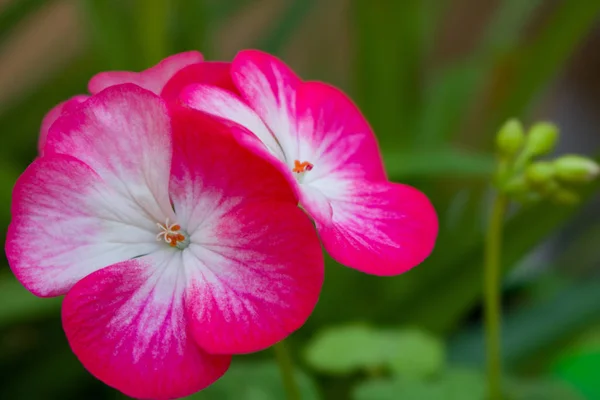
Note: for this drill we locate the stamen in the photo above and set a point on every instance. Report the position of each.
(172, 235)
(300, 167)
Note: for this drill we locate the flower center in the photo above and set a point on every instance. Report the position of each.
(300, 167)
(173, 235)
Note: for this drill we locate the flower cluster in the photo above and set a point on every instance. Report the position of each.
(528, 180)
(165, 207)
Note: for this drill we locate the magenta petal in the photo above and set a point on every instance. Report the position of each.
(123, 133)
(269, 87)
(378, 228)
(254, 265)
(52, 115)
(210, 73)
(333, 136)
(153, 79)
(127, 325)
(60, 230)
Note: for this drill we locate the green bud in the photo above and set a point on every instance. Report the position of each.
(565, 196)
(540, 173)
(574, 169)
(510, 137)
(541, 138)
(517, 185)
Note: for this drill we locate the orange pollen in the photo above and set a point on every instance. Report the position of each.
(170, 233)
(300, 167)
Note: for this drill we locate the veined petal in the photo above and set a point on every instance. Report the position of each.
(67, 223)
(228, 105)
(212, 174)
(52, 115)
(214, 73)
(269, 87)
(254, 264)
(124, 135)
(379, 228)
(127, 325)
(334, 136)
(152, 79)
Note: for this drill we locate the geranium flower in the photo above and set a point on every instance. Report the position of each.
(318, 138)
(153, 79)
(174, 245)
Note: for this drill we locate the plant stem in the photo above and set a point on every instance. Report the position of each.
(492, 311)
(287, 371)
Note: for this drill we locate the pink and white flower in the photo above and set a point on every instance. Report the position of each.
(320, 141)
(153, 79)
(175, 246)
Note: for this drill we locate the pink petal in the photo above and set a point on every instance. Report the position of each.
(52, 115)
(124, 135)
(210, 73)
(65, 225)
(227, 105)
(255, 263)
(269, 87)
(153, 79)
(378, 228)
(127, 325)
(334, 136)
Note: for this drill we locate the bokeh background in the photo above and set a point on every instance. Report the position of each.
(435, 79)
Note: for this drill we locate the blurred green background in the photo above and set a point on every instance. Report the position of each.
(435, 79)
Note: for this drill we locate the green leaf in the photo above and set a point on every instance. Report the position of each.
(346, 349)
(540, 390)
(396, 389)
(417, 354)
(437, 163)
(454, 384)
(18, 305)
(255, 381)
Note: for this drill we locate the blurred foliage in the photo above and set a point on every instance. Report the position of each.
(434, 117)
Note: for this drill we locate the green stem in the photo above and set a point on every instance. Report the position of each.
(492, 311)
(287, 371)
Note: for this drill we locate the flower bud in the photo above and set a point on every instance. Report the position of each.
(517, 185)
(574, 169)
(540, 173)
(565, 196)
(510, 137)
(541, 138)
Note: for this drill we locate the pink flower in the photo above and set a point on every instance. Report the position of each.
(318, 138)
(154, 79)
(175, 246)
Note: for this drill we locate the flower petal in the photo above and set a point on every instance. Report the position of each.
(153, 79)
(210, 72)
(124, 135)
(52, 115)
(334, 136)
(269, 87)
(376, 227)
(66, 223)
(255, 264)
(227, 105)
(127, 325)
